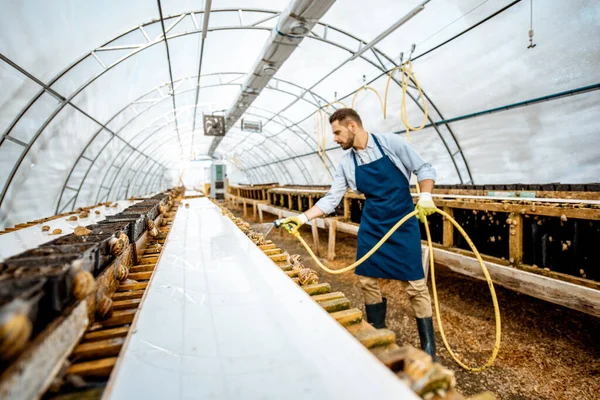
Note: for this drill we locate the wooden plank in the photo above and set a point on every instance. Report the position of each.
(348, 317)
(318, 288)
(120, 317)
(267, 246)
(134, 294)
(515, 239)
(132, 286)
(272, 252)
(96, 368)
(448, 229)
(278, 257)
(346, 227)
(315, 234)
(335, 305)
(106, 334)
(328, 296)
(376, 338)
(346, 208)
(140, 276)
(331, 240)
(31, 373)
(141, 268)
(566, 294)
(126, 304)
(98, 349)
(292, 274)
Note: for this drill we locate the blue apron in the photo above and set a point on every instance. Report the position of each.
(388, 199)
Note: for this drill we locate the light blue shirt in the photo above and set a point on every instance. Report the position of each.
(404, 157)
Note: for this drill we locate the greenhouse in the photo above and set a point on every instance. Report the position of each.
(215, 199)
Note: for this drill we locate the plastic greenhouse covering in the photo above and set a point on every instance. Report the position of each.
(102, 100)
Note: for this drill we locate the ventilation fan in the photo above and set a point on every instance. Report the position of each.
(214, 125)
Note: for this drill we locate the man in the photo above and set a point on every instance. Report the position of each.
(379, 166)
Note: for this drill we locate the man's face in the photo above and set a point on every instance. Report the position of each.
(344, 134)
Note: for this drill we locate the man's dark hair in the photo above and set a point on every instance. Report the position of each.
(345, 115)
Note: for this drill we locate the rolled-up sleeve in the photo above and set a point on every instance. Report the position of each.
(332, 198)
(412, 160)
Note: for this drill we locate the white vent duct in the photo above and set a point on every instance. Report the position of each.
(295, 22)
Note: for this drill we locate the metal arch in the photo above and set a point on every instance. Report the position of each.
(133, 119)
(105, 47)
(62, 103)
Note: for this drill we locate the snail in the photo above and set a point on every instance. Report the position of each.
(104, 306)
(72, 218)
(57, 231)
(121, 273)
(563, 218)
(15, 329)
(97, 212)
(82, 231)
(187, 205)
(295, 259)
(117, 244)
(83, 283)
(45, 228)
(308, 277)
(162, 209)
(152, 229)
(84, 214)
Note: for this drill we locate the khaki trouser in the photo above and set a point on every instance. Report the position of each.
(417, 292)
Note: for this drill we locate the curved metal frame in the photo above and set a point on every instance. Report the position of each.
(136, 49)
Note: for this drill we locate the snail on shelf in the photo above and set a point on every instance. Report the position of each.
(152, 229)
(121, 272)
(57, 231)
(72, 218)
(82, 231)
(83, 281)
(45, 228)
(15, 329)
(104, 305)
(307, 277)
(118, 243)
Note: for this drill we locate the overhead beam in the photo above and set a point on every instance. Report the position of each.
(294, 24)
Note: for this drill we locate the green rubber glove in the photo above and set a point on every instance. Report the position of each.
(291, 224)
(425, 206)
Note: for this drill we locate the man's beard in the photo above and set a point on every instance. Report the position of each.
(348, 144)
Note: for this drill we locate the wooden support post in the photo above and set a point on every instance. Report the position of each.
(515, 239)
(281, 230)
(346, 209)
(290, 202)
(254, 208)
(448, 235)
(260, 215)
(315, 234)
(264, 194)
(310, 202)
(299, 203)
(244, 205)
(331, 242)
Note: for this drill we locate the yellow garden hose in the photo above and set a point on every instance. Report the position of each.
(350, 267)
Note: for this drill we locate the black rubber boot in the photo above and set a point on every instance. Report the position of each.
(425, 326)
(376, 314)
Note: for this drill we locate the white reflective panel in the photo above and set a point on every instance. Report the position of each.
(97, 144)
(457, 76)
(535, 144)
(34, 117)
(318, 173)
(299, 111)
(185, 53)
(78, 173)
(16, 92)
(301, 68)
(45, 29)
(232, 51)
(273, 100)
(124, 83)
(9, 154)
(36, 186)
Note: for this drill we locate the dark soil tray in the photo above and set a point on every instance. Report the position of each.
(89, 252)
(137, 224)
(104, 256)
(109, 227)
(27, 294)
(150, 210)
(56, 270)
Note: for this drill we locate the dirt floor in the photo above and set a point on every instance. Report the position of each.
(547, 351)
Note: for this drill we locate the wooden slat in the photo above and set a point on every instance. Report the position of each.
(348, 317)
(335, 305)
(331, 242)
(318, 288)
(315, 234)
(140, 276)
(267, 246)
(292, 274)
(141, 268)
(328, 296)
(120, 317)
(132, 286)
(96, 368)
(134, 294)
(272, 252)
(375, 338)
(278, 257)
(98, 349)
(126, 304)
(515, 239)
(448, 229)
(106, 334)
